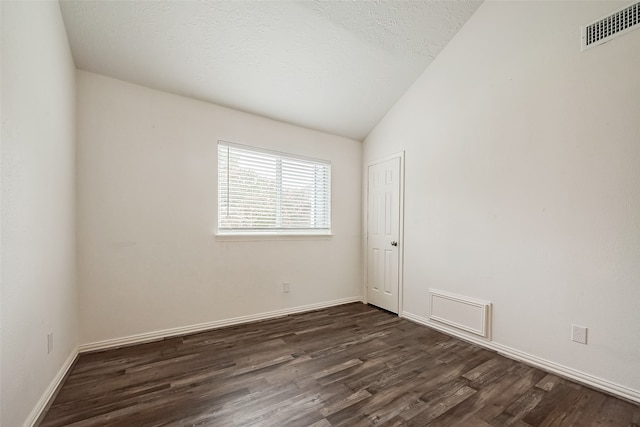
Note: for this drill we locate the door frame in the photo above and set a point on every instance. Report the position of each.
(401, 156)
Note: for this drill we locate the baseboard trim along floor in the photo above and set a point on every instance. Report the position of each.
(50, 392)
(346, 365)
(546, 365)
(580, 377)
(191, 329)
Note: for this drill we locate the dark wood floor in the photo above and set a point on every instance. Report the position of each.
(352, 365)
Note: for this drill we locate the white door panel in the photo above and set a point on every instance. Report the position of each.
(383, 233)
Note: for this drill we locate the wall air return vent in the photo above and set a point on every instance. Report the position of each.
(610, 26)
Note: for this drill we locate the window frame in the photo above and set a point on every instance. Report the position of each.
(241, 234)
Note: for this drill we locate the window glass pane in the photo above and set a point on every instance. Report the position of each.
(260, 190)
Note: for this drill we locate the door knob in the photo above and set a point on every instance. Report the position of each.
(394, 243)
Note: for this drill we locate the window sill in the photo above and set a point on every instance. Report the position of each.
(255, 237)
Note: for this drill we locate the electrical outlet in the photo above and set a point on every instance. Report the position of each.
(285, 287)
(49, 342)
(579, 334)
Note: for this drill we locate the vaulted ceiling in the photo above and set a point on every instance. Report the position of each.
(334, 66)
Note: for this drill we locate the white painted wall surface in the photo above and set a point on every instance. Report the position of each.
(147, 205)
(522, 182)
(38, 205)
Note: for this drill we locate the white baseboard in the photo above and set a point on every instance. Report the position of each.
(546, 365)
(581, 377)
(49, 392)
(184, 330)
(42, 404)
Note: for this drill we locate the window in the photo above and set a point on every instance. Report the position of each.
(266, 192)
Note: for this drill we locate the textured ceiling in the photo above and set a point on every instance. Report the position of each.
(334, 66)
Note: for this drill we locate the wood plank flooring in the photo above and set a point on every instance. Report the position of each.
(351, 365)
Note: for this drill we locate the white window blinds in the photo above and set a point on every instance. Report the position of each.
(271, 192)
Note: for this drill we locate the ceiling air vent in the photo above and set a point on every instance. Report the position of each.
(610, 26)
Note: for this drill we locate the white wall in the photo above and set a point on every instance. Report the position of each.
(522, 182)
(38, 205)
(147, 200)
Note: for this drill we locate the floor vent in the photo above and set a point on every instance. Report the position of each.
(610, 26)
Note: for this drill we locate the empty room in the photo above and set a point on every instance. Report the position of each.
(320, 213)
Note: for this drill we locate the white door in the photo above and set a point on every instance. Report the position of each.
(383, 234)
